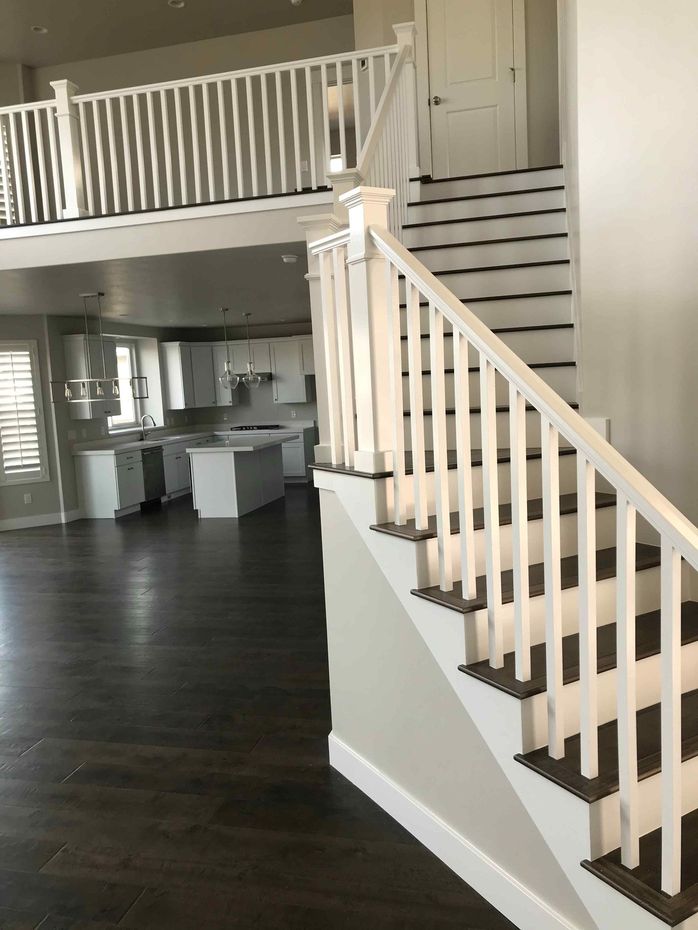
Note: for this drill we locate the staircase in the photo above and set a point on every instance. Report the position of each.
(510, 534)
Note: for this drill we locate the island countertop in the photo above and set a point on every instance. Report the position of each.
(235, 444)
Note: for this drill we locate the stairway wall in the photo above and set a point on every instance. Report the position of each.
(626, 82)
(392, 705)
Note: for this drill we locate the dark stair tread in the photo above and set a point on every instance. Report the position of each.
(500, 408)
(648, 643)
(568, 504)
(476, 368)
(643, 884)
(502, 241)
(646, 557)
(503, 456)
(508, 266)
(525, 190)
(565, 772)
(491, 216)
(427, 179)
(540, 327)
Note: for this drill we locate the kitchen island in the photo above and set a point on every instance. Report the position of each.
(235, 476)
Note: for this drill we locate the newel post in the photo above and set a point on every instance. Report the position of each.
(406, 34)
(368, 206)
(317, 227)
(69, 142)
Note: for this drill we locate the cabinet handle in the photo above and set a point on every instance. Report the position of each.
(130, 468)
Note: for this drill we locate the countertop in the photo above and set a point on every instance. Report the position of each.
(236, 444)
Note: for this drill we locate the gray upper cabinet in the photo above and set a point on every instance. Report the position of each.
(177, 375)
(202, 376)
(260, 357)
(290, 384)
(307, 357)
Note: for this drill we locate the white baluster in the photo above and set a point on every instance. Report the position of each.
(99, 149)
(671, 718)
(223, 131)
(154, 161)
(331, 361)
(341, 116)
(627, 687)
(589, 711)
(195, 143)
(296, 128)
(344, 350)
(181, 149)
(238, 141)
(438, 419)
(17, 170)
(252, 136)
(490, 494)
(553, 588)
(325, 123)
(140, 158)
(165, 116)
(126, 145)
(466, 520)
(281, 128)
(414, 354)
(86, 160)
(397, 403)
(356, 96)
(208, 142)
(372, 84)
(519, 526)
(311, 128)
(55, 165)
(114, 164)
(267, 137)
(29, 163)
(41, 159)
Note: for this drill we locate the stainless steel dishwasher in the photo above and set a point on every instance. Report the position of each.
(153, 474)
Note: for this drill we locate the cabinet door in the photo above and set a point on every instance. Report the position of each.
(172, 473)
(187, 380)
(129, 479)
(260, 357)
(293, 459)
(184, 472)
(224, 396)
(202, 375)
(307, 357)
(289, 384)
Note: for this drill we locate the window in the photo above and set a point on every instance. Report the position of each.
(126, 369)
(23, 456)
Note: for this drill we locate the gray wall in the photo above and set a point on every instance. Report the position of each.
(542, 83)
(631, 137)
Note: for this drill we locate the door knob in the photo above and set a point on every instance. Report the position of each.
(436, 100)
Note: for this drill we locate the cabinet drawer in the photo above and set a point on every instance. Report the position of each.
(129, 480)
(127, 458)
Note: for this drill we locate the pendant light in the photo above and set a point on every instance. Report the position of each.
(251, 379)
(228, 380)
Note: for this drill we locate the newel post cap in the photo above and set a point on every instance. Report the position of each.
(405, 33)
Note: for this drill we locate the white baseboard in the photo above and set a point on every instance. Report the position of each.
(520, 905)
(39, 519)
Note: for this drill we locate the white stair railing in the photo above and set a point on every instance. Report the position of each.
(30, 164)
(360, 270)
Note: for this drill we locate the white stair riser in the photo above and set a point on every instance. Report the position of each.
(545, 177)
(648, 693)
(532, 430)
(568, 484)
(476, 230)
(496, 253)
(486, 206)
(502, 281)
(605, 817)
(536, 345)
(647, 582)
(562, 380)
(428, 558)
(513, 311)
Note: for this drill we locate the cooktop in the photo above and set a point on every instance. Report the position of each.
(236, 429)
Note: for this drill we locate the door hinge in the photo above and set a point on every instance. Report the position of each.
(513, 74)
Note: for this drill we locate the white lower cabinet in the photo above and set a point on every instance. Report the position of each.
(176, 464)
(130, 487)
(294, 460)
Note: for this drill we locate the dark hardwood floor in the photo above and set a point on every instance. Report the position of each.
(164, 709)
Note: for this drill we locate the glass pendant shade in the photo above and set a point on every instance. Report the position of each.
(229, 380)
(100, 389)
(116, 391)
(251, 379)
(68, 392)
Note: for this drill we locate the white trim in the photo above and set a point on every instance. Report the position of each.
(170, 215)
(522, 906)
(518, 13)
(39, 519)
(421, 51)
(19, 478)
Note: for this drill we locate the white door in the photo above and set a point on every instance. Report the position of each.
(472, 87)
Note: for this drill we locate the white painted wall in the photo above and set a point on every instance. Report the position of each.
(542, 82)
(373, 22)
(630, 137)
(393, 706)
(209, 56)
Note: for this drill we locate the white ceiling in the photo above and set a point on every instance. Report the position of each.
(80, 29)
(170, 290)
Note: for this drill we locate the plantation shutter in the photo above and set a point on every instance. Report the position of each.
(21, 433)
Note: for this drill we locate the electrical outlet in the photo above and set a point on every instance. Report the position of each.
(27, 498)
(293, 414)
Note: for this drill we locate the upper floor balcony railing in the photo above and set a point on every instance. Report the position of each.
(259, 132)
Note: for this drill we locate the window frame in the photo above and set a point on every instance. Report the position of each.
(32, 347)
(130, 344)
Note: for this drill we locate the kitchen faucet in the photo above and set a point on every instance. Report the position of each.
(152, 420)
